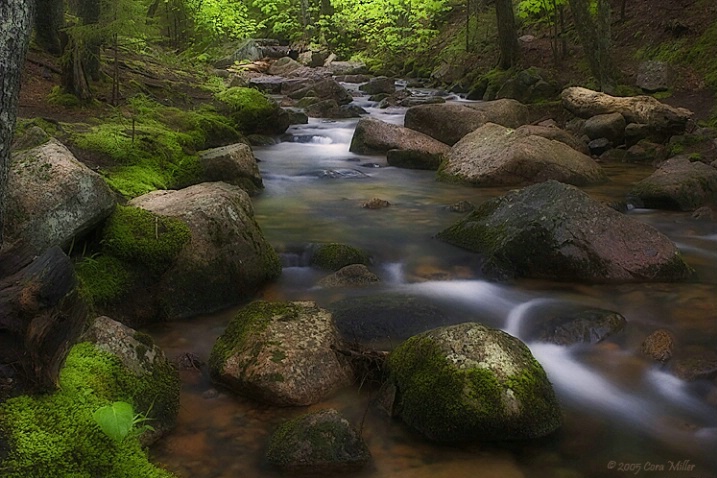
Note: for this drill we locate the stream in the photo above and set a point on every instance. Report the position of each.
(623, 413)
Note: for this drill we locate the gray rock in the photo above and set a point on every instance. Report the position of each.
(353, 78)
(227, 258)
(555, 231)
(450, 122)
(325, 89)
(380, 84)
(494, 155)
(470, 382)
(679, 184)
(233, 164)
(280, 353)
(588, 326)
(318, 443)
(284, 66)
(414, 159)
(556, 134)
(610, 126)
(653, 76)
(599, 146)
(52, 198)
(375, 136)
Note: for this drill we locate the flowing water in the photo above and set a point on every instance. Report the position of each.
(624, 414)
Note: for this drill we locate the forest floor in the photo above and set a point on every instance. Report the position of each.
(647, 23)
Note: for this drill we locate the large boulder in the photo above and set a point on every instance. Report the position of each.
(233, 164)
(324, 89)
(471, 382)
(376, 136)
(282, 353)
(380, 84)
(679, 184)
(610, 126)
(284, 66)
(653, 76)
(494, 155)
(318, 444)
(556, 134)
(227, 258)
(52, 198)
(449, 122)
(662, 119)
(555, 231)
(141, 357)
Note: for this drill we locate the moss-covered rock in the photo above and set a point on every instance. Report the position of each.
(55, 435)
(555, 231)
(354, 275)
(253, 112)
(317, 443)
(470, 382)
(334, 256)
(281, 353)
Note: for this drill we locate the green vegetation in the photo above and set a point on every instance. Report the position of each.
(56, 436)
(102, 279)
(334, 256)
(118, 421)
(250, 109)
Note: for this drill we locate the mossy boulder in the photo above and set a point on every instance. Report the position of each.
(494, 155)
(226, 258)
(280, 353)
(52, 197)
(354, 275)
(470, 382)
(253, 112)
(55, 435)
(317, 443)
(679, 184)
(334, 256)
(449, 122)
(555, 231)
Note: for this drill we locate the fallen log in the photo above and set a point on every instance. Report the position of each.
(41, 315)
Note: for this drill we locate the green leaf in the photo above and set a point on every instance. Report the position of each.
(115, 420)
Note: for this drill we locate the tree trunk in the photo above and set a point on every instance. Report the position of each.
(49, 20)
(507, 34)
(15, 23)
(595, 36)
(74, 79)
(89, 13)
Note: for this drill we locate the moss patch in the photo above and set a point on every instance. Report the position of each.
(334, 256)
(250, 109)
(102, 279)
(55, 435)
(139, 236)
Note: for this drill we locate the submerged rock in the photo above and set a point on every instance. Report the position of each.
(354, 275)
(555, 231)
(281, 353)
(317, 443)
(679, 184)
(587, 326)
(334, 256)
(470, 382)
(495, 155)
(52, 198)
(659, 345)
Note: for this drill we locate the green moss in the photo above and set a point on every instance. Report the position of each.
(251, 110)
(57, 97)
(55, 435)
(335, 256)
(103, 279)
(251, 319)
(142, 237)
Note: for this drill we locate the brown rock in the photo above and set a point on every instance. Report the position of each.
(659, 345)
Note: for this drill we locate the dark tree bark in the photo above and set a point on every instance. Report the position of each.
(15, 23)
(49, 20)
(89, 13)
(595, 36)
(507, 34)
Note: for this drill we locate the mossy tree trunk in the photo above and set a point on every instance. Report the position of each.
(15, 23)
(507, 34)
(49, 20)
(89, 13)
(595, 35)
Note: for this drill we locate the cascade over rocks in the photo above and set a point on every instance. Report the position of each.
(555, 231)
(471, 382)
(679, 184)
(52, 197)
(376, 136)
(449, 122)
(493, 155)
(662, 119)
(227, 258)
(281, 353)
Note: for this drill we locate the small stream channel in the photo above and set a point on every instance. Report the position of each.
(620, 408)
